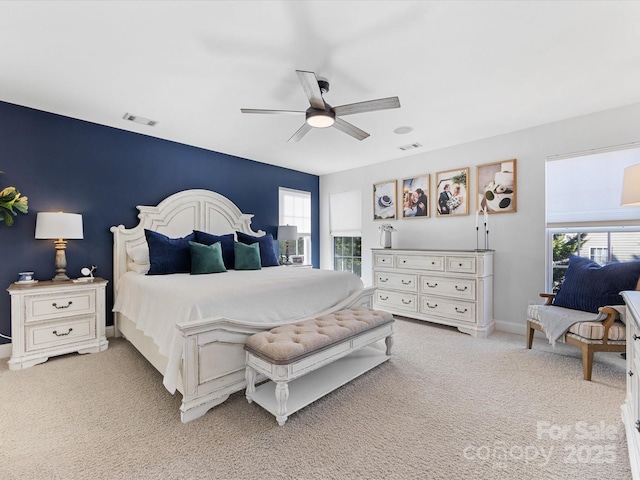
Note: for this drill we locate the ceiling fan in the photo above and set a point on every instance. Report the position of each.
(322, 115)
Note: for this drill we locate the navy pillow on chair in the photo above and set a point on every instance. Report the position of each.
(268, 254)
(587, 285)
(226, 242)
(168, 255)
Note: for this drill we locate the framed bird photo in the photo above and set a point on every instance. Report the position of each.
(452, 193)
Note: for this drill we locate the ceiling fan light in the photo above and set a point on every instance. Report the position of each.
(320, 119)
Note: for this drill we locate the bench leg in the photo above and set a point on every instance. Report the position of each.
(282, 394)
(250, 377)
(389, 343)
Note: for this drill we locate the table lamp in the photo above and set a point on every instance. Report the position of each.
(287, 233)
(59, 226)
(631, 186)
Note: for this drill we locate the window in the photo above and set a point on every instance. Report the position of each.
(295, 209)
(599, 255)
(347, 254)
(346, 226)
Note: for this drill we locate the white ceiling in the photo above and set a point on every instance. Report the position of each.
(462, 70)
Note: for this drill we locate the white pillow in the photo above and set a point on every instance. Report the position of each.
(139, 254)
(138, 267)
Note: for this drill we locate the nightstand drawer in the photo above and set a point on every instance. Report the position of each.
(44, 307)
(59, 333)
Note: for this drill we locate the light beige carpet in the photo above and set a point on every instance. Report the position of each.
(447, 406)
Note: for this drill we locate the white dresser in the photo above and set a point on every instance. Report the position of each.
(631, 406)
(451, 287)
(54, 318)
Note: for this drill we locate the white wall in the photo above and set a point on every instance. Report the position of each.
(517, 238)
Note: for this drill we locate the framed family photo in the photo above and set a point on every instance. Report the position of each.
(497, 186)
(415, 197)
(384, 200)
(452, 192)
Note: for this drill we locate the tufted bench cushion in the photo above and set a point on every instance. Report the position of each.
(287, 343)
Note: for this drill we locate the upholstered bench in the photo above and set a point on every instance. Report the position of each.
(292, 355)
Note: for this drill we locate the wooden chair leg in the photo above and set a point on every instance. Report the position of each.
(587, 361)
(530, 331)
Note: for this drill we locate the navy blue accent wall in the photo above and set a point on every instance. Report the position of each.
(64, 164)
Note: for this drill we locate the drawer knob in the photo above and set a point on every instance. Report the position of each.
(638, 425)
(55, 332)
(408, 282)
(461, 311)
(404, 261)
(460, 289)
(432, 306)
(62, 306)
(406, 302)
(432, 286)
(459, 264)
(630, 373)
(635, 337)
(433, 263)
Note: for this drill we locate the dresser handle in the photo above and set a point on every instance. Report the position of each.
(461, 311)
(406, 303)
(406, 283)
(638, 425)
(55, 332)
(432, 286)
(383, 298)
(460, 289)
(62, 306)
(432, 306)
(383, 280)
(635, 337)
(630, 373)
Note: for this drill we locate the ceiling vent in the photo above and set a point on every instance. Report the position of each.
(410, 146)
(141, 120)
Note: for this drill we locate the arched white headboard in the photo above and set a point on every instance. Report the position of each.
(177, 216)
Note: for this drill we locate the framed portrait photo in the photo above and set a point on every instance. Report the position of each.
(415, 196)
(452, 192)
(384, 200)
(497, 186)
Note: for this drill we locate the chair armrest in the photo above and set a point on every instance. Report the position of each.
(612, 313)
(549, 297)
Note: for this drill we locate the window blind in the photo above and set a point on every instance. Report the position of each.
(345, 213)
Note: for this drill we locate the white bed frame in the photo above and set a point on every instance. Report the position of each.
(213, 364)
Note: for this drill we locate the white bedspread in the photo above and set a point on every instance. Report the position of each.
(156, 303)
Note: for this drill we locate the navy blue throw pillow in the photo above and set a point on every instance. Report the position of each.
(587, 285)
(268, 254)
(226, 241)
(168, 255)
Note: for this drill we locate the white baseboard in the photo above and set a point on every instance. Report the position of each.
(5, 348)
(517, 328)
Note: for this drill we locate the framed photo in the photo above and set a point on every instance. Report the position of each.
(296, 259)
(452, 192)
(415, 197)
(497, 186)
(384, 200)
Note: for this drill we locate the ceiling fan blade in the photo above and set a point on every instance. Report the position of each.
(349, 129)
(257, 110)
(302, 131)
(311, 89)
(369, 106)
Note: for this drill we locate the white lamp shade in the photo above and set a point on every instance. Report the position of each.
(287, 232)
(631, 186)
(56, 225)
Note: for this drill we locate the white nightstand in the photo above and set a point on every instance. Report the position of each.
(54, 318)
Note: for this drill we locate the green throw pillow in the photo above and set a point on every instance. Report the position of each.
(247, 256)
(206, 258)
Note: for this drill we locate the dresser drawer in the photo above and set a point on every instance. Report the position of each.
(53, 334)
(382, 260)
(447, 308)
(45, 307)
(449, 287)
(397, 300)
(421, 262)
(397, 281)
(461, 264)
